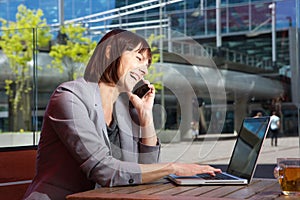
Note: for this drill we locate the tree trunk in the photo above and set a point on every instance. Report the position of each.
(20, 119)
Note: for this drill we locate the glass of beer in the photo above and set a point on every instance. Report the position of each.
(287, 173)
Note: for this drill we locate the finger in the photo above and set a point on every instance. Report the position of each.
(146, 81)
(132, 97)
(152, 89)
(214, 171)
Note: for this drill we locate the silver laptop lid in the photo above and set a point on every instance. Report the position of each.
(247, 147)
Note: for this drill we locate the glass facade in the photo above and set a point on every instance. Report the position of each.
(229, 82)
(72, 8)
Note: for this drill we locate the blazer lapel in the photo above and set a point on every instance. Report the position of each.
(127, 132)
(98, 104)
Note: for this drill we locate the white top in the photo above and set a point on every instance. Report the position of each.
(274, 122)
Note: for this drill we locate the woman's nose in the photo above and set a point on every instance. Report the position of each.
(144, 70)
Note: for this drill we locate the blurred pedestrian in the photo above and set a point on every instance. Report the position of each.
(274, 127)
(258, 114)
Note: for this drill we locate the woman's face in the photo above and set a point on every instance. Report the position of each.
(133, 67)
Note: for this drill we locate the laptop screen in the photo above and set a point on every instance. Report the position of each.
(248, 146)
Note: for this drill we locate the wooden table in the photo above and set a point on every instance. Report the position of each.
(163, 189)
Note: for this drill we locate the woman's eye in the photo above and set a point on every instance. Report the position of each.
(139, 58)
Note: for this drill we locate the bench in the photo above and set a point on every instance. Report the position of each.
(17, 169)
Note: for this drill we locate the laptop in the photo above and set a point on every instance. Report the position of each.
(243, 160)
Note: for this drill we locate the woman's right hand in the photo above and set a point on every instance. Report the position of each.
(144, 105)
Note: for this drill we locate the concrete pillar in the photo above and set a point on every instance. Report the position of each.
(185, 101)
(240, 111)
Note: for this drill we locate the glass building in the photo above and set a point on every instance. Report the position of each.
(251, 44)
(72, 8)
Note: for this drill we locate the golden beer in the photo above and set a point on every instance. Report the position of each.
(288, 174)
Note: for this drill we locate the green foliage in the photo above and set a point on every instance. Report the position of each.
(154, 76)
(17, 44)
(72, 49)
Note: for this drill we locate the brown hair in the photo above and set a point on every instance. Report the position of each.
(101, 68)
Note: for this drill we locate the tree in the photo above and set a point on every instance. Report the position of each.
(18, 42)
(71, 49)
(153, 75)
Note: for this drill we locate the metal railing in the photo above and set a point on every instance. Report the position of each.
(123, 11)
(189, 49)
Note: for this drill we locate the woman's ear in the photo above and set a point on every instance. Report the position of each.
(107, 51)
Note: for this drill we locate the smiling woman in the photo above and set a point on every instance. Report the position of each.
(113, 45)
(91, 137)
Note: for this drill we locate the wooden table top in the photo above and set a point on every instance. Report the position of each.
(164, 189)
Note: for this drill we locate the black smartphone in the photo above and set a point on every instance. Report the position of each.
(140, 89)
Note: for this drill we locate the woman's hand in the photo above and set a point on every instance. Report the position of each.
(183, 169)
(144, 108)
(144, 105)
(151, 172)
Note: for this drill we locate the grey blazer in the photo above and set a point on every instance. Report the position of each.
(74, 152)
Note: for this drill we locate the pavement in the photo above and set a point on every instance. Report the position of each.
(216, 149)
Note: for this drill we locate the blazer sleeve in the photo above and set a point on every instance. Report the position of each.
(149, 154)
(130, 135)
(77, 118)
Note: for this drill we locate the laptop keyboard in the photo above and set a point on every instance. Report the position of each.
(219, 176)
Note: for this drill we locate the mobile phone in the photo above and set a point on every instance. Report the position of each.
(140, 89)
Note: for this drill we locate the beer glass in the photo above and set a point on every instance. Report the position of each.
(287, 173)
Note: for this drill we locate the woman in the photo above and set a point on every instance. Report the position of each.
(90, 137)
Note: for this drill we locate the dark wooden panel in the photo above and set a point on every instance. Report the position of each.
(17, 169)
(17, 165)
(13, 192)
